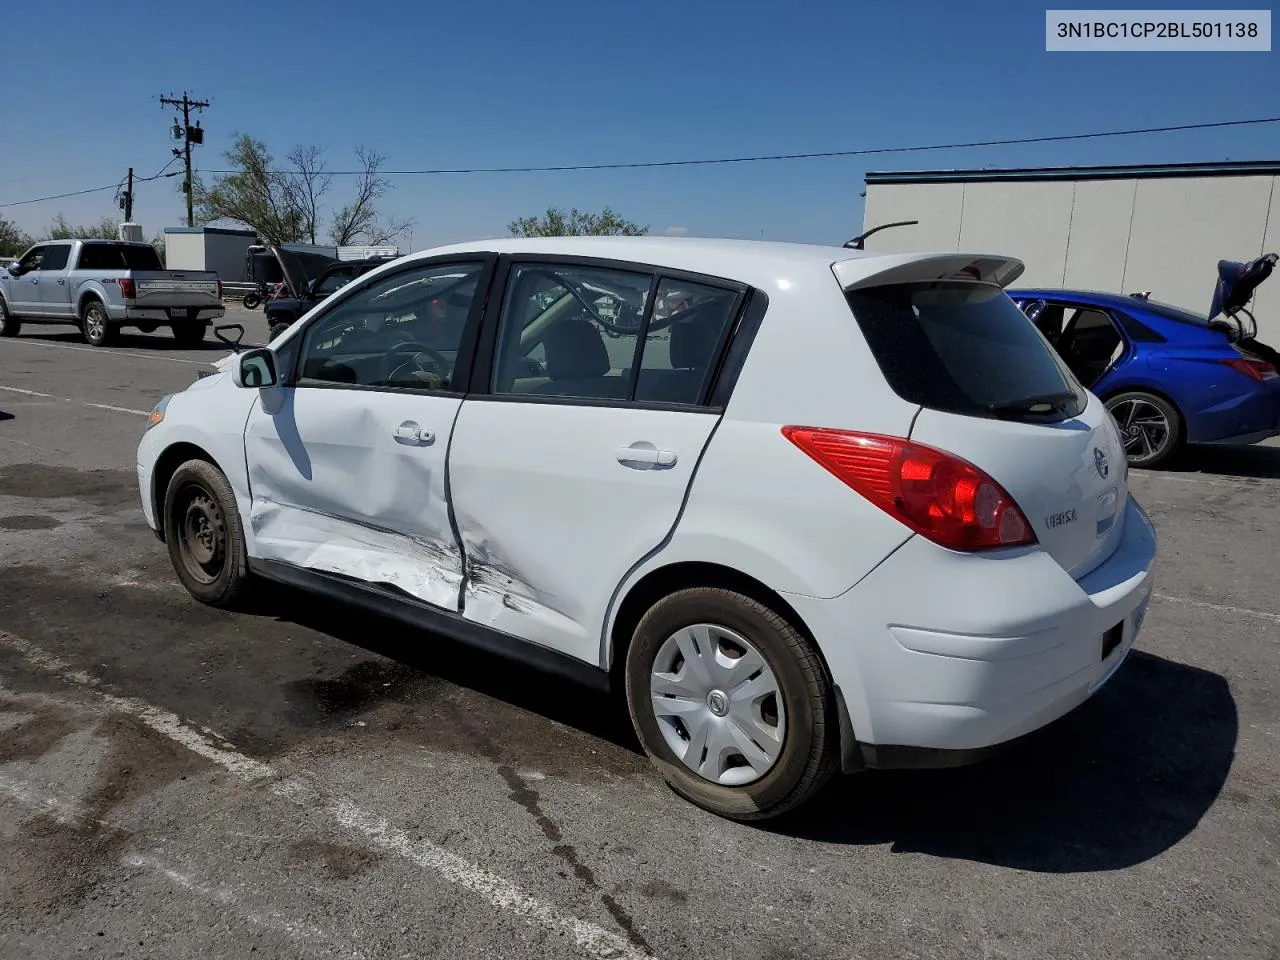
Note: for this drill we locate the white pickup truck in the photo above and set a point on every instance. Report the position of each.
(103, 285)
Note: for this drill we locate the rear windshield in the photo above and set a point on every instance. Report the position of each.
(964, 347)
(118, 256)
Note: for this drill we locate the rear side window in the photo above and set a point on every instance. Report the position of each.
(118, 256)
(964, 347)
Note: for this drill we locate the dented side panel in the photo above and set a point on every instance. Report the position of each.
(352, 482)
(551, 518)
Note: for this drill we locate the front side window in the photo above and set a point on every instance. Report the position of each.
(33, 260)
(55, 256)
(403, 331)
(570, 331)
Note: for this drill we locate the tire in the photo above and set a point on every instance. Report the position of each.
(9, 327)
(278, 329)
(251, 300)
(189, 335)
(199, 503)
(96, 325)
(1151, 428)
(803, 708)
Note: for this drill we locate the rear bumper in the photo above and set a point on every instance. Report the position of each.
(941, 656)
(162, 316)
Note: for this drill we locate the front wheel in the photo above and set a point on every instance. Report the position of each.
(96, 324)
(204, 535)
(731, 703)
(1151, 428)
(9, 327)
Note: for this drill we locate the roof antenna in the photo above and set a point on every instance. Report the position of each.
(857, 242)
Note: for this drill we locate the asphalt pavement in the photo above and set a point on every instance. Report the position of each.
(307, 781)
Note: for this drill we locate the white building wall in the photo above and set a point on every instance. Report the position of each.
(184, 251)
(1121, 236)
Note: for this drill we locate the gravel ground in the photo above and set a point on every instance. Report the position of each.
(306, 781)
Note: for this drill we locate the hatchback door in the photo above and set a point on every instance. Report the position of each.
(347, 459)
(994, 392)
(571, 461)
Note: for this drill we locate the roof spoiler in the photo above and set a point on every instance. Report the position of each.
(859, 272)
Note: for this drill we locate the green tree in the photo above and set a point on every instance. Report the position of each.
(13, 239)
(577, 223)
(105, 229)
(255, 195)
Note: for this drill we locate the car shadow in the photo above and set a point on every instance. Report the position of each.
(5, 415)
(1113, 784)
(560, 700)
(157, 342)
(1258, 461)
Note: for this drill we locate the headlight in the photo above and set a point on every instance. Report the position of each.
(157, 412)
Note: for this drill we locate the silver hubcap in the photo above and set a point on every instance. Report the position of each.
(717, 704)
(93, 323)
(1143, 428)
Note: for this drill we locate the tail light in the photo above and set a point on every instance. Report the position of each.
(128, 289)
(936, 494)
(1258, 370)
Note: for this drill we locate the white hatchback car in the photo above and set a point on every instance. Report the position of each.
(814, 508)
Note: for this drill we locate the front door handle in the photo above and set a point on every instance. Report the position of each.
(61, 281)
(410, 432)
(643, 455)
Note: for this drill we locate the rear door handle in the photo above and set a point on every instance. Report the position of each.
(410, 432)
(645, 456)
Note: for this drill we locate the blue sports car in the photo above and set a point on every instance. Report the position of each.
(1168, 376)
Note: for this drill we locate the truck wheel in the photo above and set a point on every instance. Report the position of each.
(731, 703)
(96, 325)
(189, 335)
(9, 327)
(279, 330)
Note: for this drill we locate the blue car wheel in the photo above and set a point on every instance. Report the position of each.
(1150, 427)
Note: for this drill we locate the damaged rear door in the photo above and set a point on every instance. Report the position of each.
(347, 458)
(574, 451)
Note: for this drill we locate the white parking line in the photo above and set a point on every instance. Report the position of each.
(110, 351)
(79, 403)
(1220, 607)
(497, 891)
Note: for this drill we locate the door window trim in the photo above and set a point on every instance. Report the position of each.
(714, 396)
(465, 361)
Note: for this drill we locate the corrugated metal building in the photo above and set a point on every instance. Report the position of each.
(220, 249)
(1122, 229)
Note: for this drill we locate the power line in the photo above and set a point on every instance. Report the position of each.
(1057, 138)
(81, 193)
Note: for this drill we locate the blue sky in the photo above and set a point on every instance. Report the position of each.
(568, 81)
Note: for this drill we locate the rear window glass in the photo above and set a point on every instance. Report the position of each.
(964, 347)
(118, 256)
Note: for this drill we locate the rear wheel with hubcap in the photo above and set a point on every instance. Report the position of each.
(9, 327)
(204, 535)
(1151, 428)
(96, 324)
(731, 703)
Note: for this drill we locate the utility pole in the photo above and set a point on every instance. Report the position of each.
(126, 200)
(189, 135)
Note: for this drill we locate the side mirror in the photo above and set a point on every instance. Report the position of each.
(15, 269)
(255, 368)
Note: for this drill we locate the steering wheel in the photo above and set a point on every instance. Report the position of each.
(414, 350)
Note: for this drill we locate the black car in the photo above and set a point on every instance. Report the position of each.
(311, 287)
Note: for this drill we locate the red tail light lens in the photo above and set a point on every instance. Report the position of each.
(128, 289)
(1253, 369)
(936, 494)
